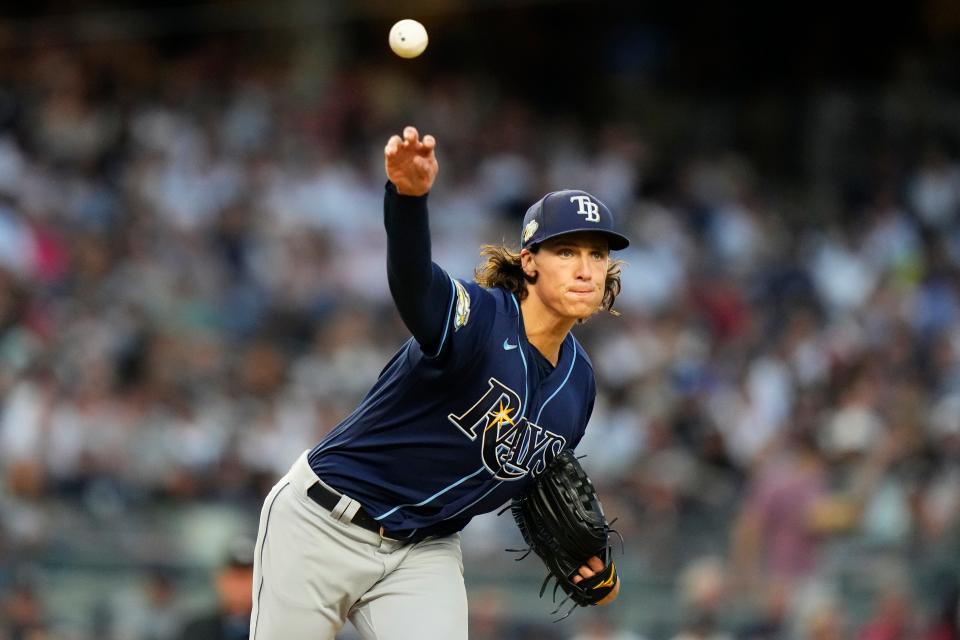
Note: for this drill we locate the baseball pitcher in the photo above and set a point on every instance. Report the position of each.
(474, 411)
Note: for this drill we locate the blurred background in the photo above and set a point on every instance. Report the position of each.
(193, 291)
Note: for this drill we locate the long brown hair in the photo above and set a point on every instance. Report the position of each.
(502, 269)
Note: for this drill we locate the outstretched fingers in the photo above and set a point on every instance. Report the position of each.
(392, 146)
(428, 145)
(410, 140)
(410, 162)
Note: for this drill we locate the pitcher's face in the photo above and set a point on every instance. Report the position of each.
(571, 273)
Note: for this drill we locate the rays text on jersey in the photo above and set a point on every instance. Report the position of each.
(511, 446)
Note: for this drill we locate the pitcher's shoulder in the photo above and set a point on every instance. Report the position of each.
(506, 302)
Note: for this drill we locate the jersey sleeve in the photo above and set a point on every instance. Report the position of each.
(450, 319)
(467, 325)
(420, 288)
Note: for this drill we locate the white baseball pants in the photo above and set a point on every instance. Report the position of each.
(312, 572)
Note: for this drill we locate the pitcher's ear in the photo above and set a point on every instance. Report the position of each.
(527, 263)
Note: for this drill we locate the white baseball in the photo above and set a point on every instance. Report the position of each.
(408, 38)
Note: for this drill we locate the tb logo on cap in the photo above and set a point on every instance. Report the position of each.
(587, 208)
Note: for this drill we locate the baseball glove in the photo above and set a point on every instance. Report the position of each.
(562, 521)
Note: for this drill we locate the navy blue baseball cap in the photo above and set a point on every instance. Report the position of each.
(566, 211)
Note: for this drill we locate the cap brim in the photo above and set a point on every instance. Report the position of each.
(615, 241)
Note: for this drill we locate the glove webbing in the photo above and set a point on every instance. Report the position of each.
(562, 521)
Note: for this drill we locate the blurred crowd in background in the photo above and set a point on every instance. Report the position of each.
(193, 291)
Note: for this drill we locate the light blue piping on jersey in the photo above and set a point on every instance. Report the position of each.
(436, 495)
(446, 324)
(523, 407)
(329, 440)
(537, 422)
(573, 361)
(485, 494)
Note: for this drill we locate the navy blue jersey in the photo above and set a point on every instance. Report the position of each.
(445, 436)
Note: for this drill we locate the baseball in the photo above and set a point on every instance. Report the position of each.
(408, 38)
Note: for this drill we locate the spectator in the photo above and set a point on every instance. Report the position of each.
(230, 618)
(703, 590)
(153, 613)
(775, 536)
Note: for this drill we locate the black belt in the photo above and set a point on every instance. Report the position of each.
(329, 499)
